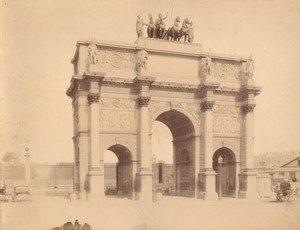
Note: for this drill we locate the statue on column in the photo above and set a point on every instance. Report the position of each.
(250, 67)
(142, 58)
(93, 53)
(208, 64)
(191, 33)
(151, 27)
(140, 26)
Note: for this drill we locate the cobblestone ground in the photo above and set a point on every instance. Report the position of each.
(168, 213)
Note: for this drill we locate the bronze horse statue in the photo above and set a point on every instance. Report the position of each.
(184, 31)
(173, 33)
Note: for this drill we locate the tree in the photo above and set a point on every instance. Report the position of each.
(10, 157)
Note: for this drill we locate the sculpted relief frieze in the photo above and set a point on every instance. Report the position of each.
(225, 71)
(117, 120)
(226, 110)
(117, 103)
(228, 125)
(226, 119)
(113, 59)
(192, 108)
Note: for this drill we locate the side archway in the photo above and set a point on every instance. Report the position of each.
(227, 171)
(124, 173)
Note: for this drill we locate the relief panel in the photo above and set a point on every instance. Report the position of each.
(226, 119)
(109, 59)
(117, 120)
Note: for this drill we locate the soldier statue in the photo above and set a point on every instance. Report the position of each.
(140, 26)
(191, 33)
(250, 67)
(93, 53)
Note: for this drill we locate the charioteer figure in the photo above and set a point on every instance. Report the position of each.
(160, 25)
(151, 27)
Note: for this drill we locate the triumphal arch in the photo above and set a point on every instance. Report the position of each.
(206, 99)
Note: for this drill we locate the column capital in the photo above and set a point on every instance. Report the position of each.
(248, 108)
(93, 97)
(207, 105)
(143, 101)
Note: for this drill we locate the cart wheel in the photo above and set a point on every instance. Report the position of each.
(278, 198)
(286, 197)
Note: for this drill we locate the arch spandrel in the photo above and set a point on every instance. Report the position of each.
(230, 146)
(185, 109)
(121, 142)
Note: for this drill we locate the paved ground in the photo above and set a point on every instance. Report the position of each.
(174, 213)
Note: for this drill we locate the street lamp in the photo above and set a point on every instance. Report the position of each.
(220, 161)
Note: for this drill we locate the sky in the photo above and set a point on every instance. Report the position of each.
(38, 40)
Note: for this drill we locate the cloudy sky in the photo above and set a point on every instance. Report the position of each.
(38, 40)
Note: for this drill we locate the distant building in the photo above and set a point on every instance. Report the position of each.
(280, 166)
(45, 179)
(163, 178)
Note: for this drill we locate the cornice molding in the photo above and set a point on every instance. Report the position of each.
(209, 85)
(256, 90)
(176, 86)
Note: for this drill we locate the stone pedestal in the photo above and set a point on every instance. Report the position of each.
(208, 181)
(95, 191)
(248, 185)
(145, 183)
(264, 185)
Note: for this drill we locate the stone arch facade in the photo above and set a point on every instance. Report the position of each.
(115, 102)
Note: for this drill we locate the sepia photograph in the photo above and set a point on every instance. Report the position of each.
(149, 114)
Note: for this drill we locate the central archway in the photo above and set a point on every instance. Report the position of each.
(123, 172)
(183, 135)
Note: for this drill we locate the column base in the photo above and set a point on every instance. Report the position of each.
(144, 186)
(248, 185)
(208, 185)
(95, 185)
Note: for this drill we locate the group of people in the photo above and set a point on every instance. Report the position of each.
(158, 29)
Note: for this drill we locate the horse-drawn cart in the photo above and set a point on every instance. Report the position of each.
(5, 195)
(283, 191)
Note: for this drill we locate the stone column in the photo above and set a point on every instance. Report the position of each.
(248, 188)
(207, 138)
(95, 174)
(145, 172)
(27, 167)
